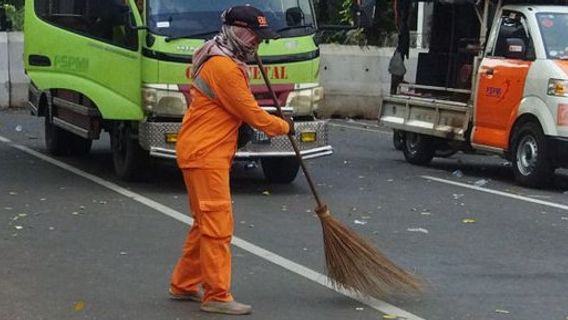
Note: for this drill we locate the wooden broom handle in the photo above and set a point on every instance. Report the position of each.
(290, 137)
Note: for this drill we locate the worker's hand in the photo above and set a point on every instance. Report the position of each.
(291, 132)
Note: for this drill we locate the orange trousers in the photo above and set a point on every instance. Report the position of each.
(206, 257)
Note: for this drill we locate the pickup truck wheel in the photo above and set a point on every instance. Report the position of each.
(128, 157)
(418, 149)
(57, 140)
(398, 139)
(532, 162)
(280, 170)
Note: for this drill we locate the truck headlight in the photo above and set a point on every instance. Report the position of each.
(557, 87)
(305, 101)
(163, 102)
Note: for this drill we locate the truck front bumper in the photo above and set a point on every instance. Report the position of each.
(311, 137)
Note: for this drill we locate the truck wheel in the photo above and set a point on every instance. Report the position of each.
(80, 146)
(128, 157)
(57, 140)
(418, 149)
(398, 139)
(532, 162)
(280, 170)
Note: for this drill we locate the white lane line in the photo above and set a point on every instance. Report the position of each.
(499, 193)
(272, 257)
(372, 129)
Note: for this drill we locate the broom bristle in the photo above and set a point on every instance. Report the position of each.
(353, 263)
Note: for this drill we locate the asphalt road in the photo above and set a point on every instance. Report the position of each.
(76, 243)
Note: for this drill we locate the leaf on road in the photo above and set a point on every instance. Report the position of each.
(360, 222)
(359, 309)
(266, 193)
(79, 306)
(18, 227)
(390, 316)
(469, 221)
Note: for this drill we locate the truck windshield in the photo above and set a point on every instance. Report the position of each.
(201, 19)
(553, 27)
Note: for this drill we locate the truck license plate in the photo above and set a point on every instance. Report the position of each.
(260, 137)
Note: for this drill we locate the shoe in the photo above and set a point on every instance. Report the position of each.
(196, 296)
(226, 307)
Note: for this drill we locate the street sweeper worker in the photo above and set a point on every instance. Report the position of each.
(207, 142)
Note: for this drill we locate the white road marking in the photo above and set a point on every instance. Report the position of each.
(499, 193)
(272, 257)
(374, 129)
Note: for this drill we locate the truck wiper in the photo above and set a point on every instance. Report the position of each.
(311, 26)
(201, 35)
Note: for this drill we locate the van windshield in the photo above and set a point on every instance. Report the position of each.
(553, 27)
(185, 18)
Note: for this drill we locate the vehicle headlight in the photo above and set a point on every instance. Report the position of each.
(305, 101)
(558, 88)
(163, 102)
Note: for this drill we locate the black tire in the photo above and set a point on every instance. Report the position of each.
(57, 140)
(128, 158)
(398, 139)
(418, 149)
(280, 170)
(532, 159)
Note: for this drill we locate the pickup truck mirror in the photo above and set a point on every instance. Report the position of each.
(516, 49)
(363, 13)
(132, 24)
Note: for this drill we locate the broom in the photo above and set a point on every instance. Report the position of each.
(352, 262)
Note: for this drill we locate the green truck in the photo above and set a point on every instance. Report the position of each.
(124, 66)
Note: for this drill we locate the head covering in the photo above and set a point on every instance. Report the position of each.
(249, 17)
(242, 28)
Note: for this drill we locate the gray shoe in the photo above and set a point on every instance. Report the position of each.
(229, 307)
(191, 296)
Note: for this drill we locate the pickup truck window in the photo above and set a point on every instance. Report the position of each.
(553, 27)
(513, 26)
(104, 20)
(181, 18)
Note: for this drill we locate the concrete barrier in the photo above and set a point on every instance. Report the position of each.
(4, 72)
(13, 81)
(355, 78)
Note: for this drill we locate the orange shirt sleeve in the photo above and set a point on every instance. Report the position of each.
(234, 94)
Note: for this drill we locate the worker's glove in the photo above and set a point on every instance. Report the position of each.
(291, 132)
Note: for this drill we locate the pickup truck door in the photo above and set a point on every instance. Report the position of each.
(501, 82)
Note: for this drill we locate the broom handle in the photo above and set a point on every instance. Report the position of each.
(290, 137)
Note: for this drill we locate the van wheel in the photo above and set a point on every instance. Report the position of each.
(398, 139)
(128, 157)
(532, 162)
(280, 170)
(57, 140)
(418, 149)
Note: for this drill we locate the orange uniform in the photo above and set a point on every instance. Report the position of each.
(207, 142)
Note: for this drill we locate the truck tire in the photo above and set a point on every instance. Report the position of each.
(57, 140)
(128, 158)
(280, 170)
(418, 149)
(398, 139)
(532, 162)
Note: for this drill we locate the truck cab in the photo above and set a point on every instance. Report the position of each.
(508, 99)
(124, 66)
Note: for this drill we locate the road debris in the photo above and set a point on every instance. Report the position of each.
(362, 222)
(469, 221)
(502, 311)
(79, 306)
(480, 183)
(418, 230)
(457, 174)
(457, 196)
(266, 193)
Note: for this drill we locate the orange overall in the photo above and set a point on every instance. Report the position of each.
(207, 142)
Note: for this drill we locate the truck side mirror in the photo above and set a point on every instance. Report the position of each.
(363, 13)
(516, 49)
